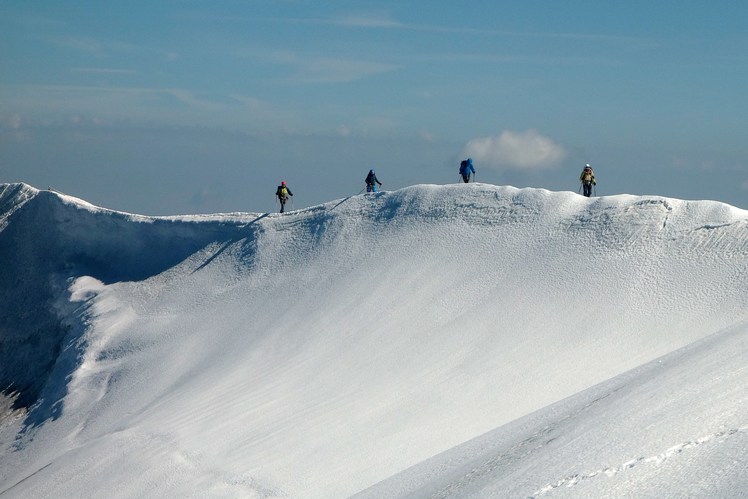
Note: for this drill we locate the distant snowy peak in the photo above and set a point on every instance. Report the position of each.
(12, 198)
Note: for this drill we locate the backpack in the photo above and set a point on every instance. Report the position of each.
(463, 166)
(587, 175)
(283, 192)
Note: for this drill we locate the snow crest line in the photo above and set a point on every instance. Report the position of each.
(658, 459)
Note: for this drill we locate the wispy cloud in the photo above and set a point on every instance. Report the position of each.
(104, 49)
(385, 21)
(324, 70)
(14, 121)
(427, 135)
(528, 150)
(312, 68)
(365, 21)
(36, 22)
(70, 105)
(87, 45)
(104, 71)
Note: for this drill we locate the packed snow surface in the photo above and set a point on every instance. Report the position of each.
(436, 341)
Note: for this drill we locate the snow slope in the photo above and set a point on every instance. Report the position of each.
(438, 340)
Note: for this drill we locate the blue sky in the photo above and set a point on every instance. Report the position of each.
(204, 106)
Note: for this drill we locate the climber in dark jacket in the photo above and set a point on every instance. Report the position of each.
(371, 181)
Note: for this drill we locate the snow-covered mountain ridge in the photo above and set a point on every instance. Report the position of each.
(316, 353)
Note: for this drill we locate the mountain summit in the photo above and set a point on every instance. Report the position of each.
(449, 341)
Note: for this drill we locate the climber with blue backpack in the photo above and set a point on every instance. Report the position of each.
(466, 168)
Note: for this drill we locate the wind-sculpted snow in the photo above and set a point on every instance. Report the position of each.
(323, 351)
(47, 239)
(674, 427)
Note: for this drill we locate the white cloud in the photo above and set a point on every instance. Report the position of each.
(528, 150)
